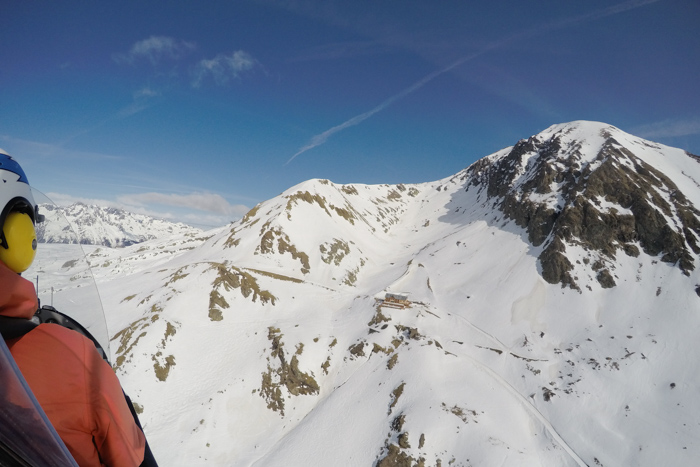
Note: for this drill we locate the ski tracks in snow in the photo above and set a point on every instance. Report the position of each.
(522, 399)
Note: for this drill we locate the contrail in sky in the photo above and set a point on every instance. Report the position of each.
(321, 138)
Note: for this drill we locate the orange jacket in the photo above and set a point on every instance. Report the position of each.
(77, 389)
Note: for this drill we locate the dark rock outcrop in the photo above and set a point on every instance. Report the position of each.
(561, 196)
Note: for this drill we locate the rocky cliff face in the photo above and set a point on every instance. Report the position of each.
(603, 197)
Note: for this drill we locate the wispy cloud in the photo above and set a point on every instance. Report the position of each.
(208, 202)
(223, 67)
(583, 18)
(155, 49)
(146, 93)
(669, 128)
(142, 99)
(321, 138)
(40, 149)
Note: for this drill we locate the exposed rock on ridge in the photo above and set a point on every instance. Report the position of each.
(604, 199)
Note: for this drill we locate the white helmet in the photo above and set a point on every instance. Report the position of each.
(18, 215)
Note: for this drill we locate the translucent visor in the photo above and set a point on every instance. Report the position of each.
(62, 275)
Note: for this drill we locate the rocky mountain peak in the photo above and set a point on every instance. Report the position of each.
(591, 186)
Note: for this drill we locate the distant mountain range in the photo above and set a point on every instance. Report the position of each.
(95, 225)
(553, 317)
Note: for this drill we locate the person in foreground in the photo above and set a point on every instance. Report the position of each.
(76, 388)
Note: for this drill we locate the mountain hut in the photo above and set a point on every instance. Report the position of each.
(396, 300)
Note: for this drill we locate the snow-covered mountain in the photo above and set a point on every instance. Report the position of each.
(553, 320)
(96, 225)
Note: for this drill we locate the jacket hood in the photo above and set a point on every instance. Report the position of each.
(17, 295)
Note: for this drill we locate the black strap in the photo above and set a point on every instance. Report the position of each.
(9, 458)
(148, 459)
(12, 328)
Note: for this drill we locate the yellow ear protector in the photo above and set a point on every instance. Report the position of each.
(20, 238)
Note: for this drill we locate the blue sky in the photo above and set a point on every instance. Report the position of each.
(197, 111)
